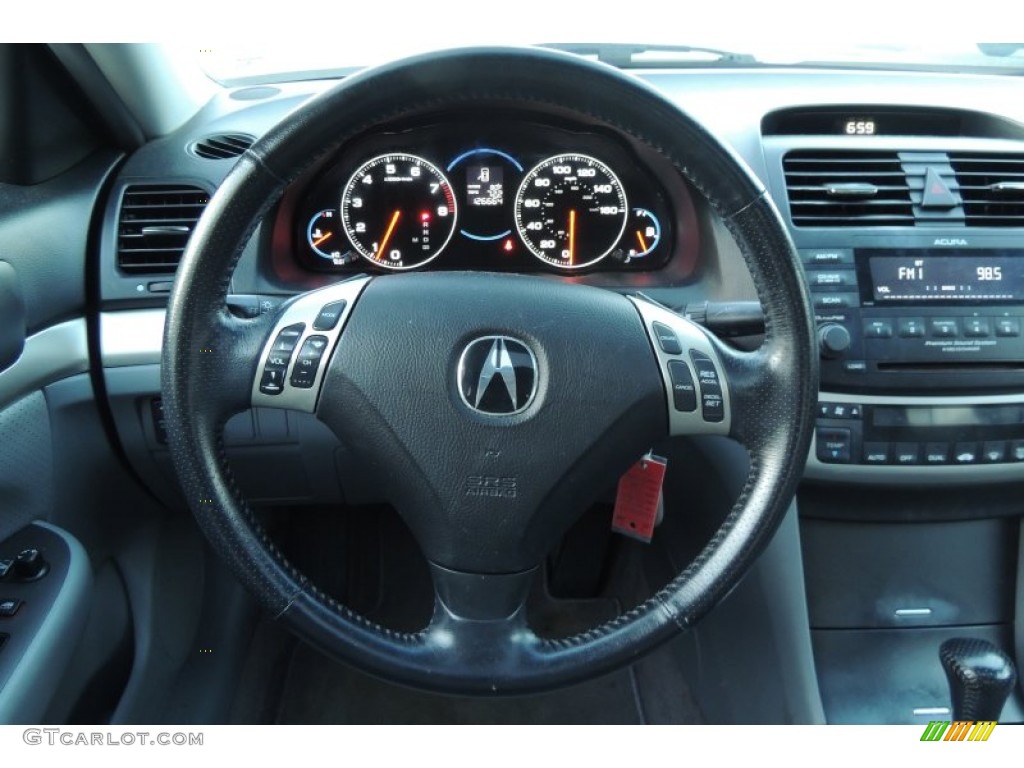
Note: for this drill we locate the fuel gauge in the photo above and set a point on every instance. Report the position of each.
(643, 233)
(325, 239)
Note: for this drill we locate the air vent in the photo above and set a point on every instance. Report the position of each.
(155, 224)
(847, 189)
(992, 188)
(222, 146)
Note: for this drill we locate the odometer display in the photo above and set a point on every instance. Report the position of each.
(398, 211)
(571, 211)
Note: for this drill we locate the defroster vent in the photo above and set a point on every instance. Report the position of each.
(155, 224)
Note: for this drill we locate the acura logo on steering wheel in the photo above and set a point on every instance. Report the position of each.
(497, 375)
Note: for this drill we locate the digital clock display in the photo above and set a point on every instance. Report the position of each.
(859, 126)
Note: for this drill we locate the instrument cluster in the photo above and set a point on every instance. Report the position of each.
(497, 195)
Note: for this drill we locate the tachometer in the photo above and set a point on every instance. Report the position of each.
(398, 211)
(571, 211)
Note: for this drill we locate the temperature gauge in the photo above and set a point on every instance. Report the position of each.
(643, 233)
(325, 239)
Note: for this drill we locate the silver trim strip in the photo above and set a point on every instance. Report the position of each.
(931, 710)
(131, 337)
(908, 612)
(50, 355)
(692, 338)
(971, 474)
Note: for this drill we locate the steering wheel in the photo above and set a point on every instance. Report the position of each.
(492, 409)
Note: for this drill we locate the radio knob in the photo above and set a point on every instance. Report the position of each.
(833, 339)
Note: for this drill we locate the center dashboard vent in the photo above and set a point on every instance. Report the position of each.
(221, 146)
(847, 189)
(992, 187)
(155, 224)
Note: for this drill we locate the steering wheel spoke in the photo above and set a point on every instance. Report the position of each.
(294, 357)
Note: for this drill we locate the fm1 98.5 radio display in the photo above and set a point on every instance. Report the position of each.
(964, 277)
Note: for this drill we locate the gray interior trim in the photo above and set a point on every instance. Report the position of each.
(50, 355)
(133, 337)
(938, 475)
(34, 681)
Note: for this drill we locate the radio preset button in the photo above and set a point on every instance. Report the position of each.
(905, 454)
(910, 327)
(877, 329)
(1007, 326)
(965, 453)
(936, 453)
(945, 328)
(976, 328)
(1017, 450)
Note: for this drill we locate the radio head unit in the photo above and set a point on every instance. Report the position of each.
(917, 313)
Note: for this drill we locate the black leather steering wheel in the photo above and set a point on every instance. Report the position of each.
(388, 382)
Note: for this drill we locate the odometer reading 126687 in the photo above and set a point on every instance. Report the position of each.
(571, 211)
(398, 210)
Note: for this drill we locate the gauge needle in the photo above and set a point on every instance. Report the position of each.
(572, 235)
(387, 235)
(325, 236)
(643, 243)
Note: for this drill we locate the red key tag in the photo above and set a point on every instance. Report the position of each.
(638, 500)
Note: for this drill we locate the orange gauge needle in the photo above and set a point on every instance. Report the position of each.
(387, 235)
(572, 236)
(325, 236)
(643, 243)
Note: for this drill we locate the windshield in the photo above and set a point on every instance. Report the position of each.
(363, 41)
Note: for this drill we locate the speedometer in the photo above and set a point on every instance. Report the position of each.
(571, 211)
(398, 211)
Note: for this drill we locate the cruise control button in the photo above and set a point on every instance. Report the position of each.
(936, 453)
(711, 401)
(993, 452)
(833, 445)
(1007, 326)
(906, 454)
(965, 453)
(876, 453)
(329, 316)
(308, 361)
(667, 339)
(684, 392)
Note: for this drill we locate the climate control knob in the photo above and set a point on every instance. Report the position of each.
(833, 340)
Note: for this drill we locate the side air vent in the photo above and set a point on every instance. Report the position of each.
(992, 188)
(221, 146)
(155, 224)
(847, 189)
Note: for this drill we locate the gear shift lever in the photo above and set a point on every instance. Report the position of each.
(981, 677)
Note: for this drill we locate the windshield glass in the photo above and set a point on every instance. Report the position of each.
(361, 36)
